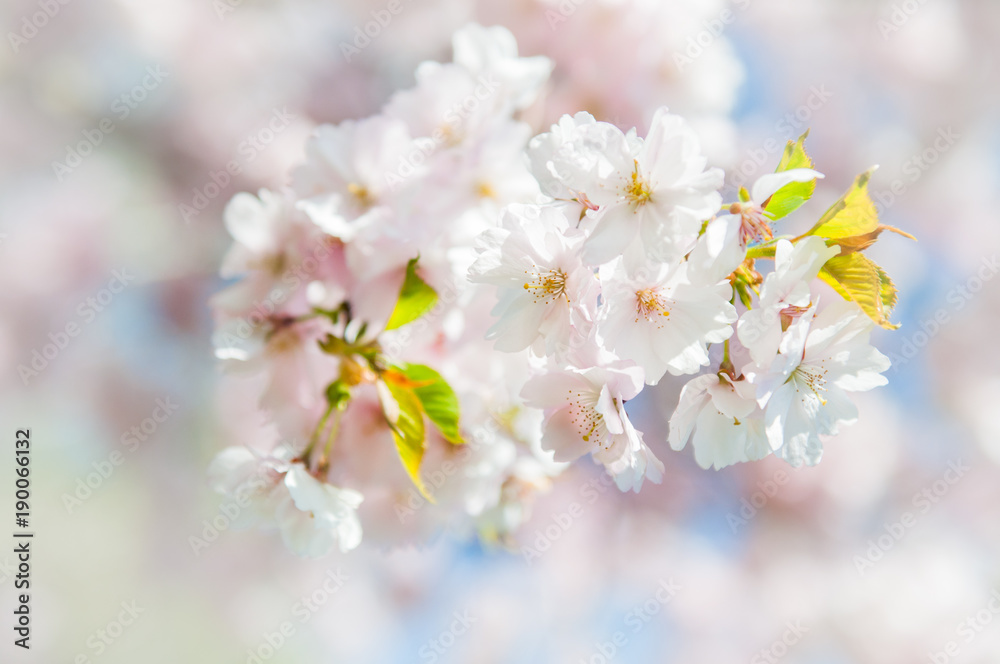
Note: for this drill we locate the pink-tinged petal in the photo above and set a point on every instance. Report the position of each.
(694, 397)
(553, 389)
(561, 435)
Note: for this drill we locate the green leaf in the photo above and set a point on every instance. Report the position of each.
(857, 278)
(415, 298)
(402, 411)
(795, 155)
(854, 214)
(338, 394)
(333, 345)
(437, 399)
(793, 195)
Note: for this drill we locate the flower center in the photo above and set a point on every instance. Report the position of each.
(485, 190)
(753, 224)
(361, 194)
(813, 377)
(649, 304)
(638, 192)
(585, 417)
(283, 337)
(547, 286)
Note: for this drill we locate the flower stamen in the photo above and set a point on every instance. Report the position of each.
(638, 192)
(547, 286)
(651, 306)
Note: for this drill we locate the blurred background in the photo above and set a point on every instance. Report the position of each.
(120, 116)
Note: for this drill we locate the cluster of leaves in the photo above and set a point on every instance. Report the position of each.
(408, 393)
(852, 224)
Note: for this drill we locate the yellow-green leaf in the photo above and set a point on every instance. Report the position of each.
(793, 195)
(439, 401)
(402, 411)
(415, 298)
(858, 279)
(864, 240)
(795, 155)
(853, 215)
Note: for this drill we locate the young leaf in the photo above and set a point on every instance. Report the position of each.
(415, 298)
(402, 411)
(857, 278)
(863, 241)
(795, 155)
(437, 399)
(793, 195)
(853, 215)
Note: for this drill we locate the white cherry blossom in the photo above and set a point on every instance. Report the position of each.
(656, 317)
(660, 199)
(543, 288)
(784, 295)
(585, 413)
(822, 356)
(727, 424)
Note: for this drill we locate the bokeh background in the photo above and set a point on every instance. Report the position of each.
(185, 87)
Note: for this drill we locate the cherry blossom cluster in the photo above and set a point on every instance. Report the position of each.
(634, 269)
(441, 312)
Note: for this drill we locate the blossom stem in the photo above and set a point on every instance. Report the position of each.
(324, 461)
(307, 453)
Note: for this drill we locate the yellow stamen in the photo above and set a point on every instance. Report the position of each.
(547, 286)
(651, 306)
(637, 193)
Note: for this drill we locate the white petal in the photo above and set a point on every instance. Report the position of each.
(767, 185)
